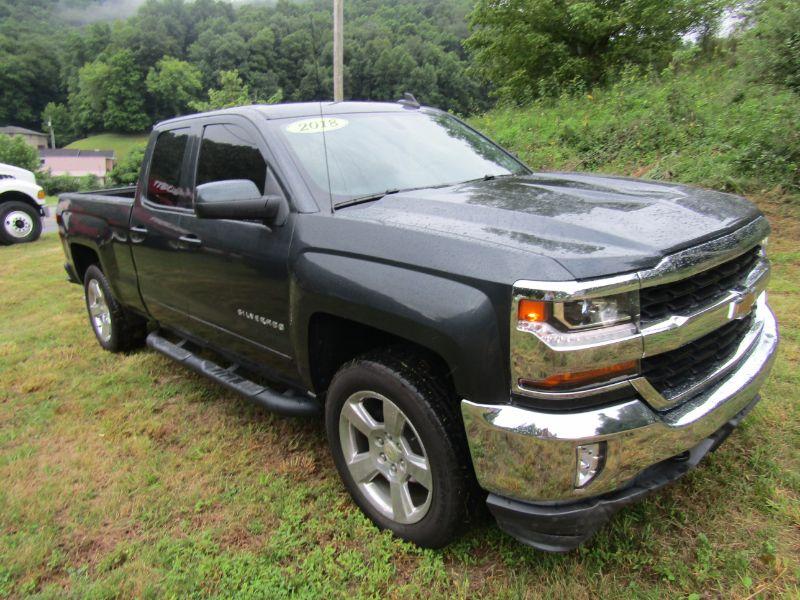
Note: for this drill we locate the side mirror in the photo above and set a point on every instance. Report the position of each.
(235, 199)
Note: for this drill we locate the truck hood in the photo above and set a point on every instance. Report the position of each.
(17, 173)
(592, 225)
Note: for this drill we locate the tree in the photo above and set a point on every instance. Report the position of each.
(61, 119)
(125, 74)
(27, 81)
(110, 95)
(772, 46)
(530, 48)
(232, 92)
(126, 171)
(14, 150)
(173, 84)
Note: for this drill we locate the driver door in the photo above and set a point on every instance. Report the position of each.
(239, 291)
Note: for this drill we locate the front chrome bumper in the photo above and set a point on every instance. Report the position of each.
(531, 455)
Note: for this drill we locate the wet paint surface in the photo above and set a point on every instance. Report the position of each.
(592, 225)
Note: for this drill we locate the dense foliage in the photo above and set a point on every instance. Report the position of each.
(533, 48)
(174, 56)
(14, 150)
(705, 125)
(59, 184)
(126, 171)
(612, 84)
(772, 46)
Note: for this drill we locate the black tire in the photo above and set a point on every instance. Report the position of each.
(409, 381)
(126, 330)
(27, 227)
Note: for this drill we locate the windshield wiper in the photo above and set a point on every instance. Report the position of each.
(367, 198)
(379, 195)
(488, 177)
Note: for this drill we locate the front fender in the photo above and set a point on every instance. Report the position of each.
(458, 320)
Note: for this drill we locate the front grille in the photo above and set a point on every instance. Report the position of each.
(690, 294)
(694, 362)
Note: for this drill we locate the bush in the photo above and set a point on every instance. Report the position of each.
(58, 184)
(14, 150)
(706, 125)
(772, 47)
(126, 171)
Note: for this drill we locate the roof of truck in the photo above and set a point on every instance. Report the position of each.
(308, 109)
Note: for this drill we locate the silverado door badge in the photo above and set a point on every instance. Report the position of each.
(246, 314)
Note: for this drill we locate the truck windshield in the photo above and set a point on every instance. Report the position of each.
(353, 156)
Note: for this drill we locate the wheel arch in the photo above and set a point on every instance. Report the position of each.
(334, 340)
(336, 298)
(83, 257)
(17, 196)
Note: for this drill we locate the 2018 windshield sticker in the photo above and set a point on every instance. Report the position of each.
(316, 125)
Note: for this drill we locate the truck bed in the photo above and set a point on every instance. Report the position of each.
(94, 228)
(112, 206)
(117, 192)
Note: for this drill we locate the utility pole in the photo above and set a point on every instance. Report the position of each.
(52, 133)
(338, 50)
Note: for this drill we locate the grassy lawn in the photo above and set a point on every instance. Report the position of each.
(129, 476)
(120, 143)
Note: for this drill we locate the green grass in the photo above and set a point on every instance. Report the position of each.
(120, 143)
(705, 125)
(125, 475)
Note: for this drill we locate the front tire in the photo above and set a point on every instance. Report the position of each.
(19, 223)
(398, 444)
(116, 329)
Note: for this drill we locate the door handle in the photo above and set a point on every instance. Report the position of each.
(137, 234)
(191, 240)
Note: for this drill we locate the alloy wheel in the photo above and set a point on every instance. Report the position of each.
(99, 311)
(386, 457)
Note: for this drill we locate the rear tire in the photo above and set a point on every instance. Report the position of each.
(19, 223)
(399, 446)
(116, 329)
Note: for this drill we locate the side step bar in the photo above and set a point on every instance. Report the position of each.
(283, 404)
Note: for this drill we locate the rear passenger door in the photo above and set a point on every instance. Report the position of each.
(239, 288)
(155, 232)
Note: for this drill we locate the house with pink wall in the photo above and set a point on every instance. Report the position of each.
(63, 161)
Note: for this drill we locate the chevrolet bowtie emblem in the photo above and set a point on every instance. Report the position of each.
(743, 306)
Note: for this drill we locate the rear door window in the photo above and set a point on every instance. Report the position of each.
(230, 152)
(166, 170)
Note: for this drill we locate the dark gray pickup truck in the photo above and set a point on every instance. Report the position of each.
(557, 345)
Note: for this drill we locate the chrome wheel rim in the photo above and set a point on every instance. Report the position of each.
(99, 312)
(18, 224)
(385, 456)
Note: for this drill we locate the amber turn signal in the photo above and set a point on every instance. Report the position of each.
(40, 195)
(581, 377)
(534, 311)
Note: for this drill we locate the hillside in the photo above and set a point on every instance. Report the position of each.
(703, 124)
(120, 143)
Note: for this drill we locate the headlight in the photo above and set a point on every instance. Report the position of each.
(587, 313)
(603, 329)
(596, 312)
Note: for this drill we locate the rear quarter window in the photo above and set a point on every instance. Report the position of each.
(166, 174)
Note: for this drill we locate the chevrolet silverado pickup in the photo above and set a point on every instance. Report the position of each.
(555, 345)
(22, 206)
